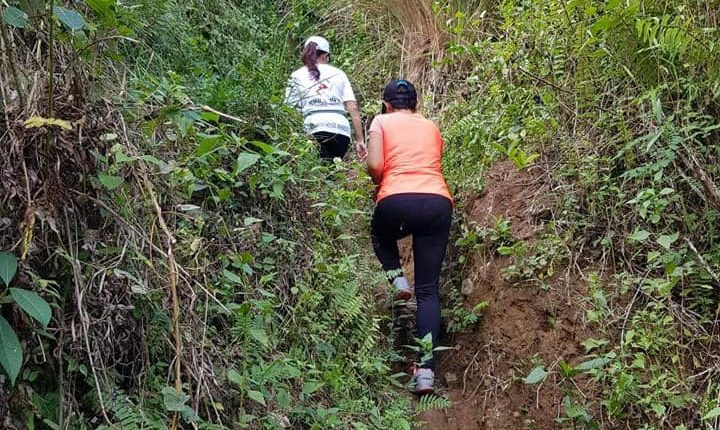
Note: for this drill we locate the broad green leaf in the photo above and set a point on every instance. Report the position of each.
(506, 250)
(251, 220)
(244, 161)
(283, 398)
(8, 267)
(15, 17)
(591, 344)
(602, 24)
(103, 7)
(32, 304)
(204, 147)
(10, 350)
(426, 341)
(652, 256)
(257, 396)
(110, 181)
(207, 143)
(260, 335)
(264, 147)
(71, 18)
(152, 160)
(566, 370)
(173, 401)
(537, 375)
(595, 363)
(575, 411)
(532, 157)
(291, 372)
(189, 414)
(235, 377)
(210, 117)
(712, 414)
(659, 409)
(667, 240)
(230, 276)
(639, 235)
(122, 157)
(311, 387)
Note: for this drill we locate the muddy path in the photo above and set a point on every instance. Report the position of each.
(523, 324)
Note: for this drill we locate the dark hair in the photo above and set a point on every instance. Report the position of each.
(401, 94)
(310, 55)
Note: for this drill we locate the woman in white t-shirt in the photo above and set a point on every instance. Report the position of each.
(324, 96)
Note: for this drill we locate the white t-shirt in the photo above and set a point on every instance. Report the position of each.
(321, 102)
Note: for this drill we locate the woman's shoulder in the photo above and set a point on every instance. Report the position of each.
(382, 118)
(405, 117)
(423, 119)
(377, 122)
(418, 122)
(330, 70)
(398, 119)
(302, 71)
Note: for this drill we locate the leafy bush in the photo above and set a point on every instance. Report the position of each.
(621, 100)
(225, 275)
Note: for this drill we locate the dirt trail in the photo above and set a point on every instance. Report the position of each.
(482, 377)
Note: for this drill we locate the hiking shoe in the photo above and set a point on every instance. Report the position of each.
(402, 289)
(423, 381)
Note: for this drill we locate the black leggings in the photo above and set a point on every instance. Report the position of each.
(427, 218)
(332, 145)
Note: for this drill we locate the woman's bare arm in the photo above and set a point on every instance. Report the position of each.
(360, 146)
(375, 157)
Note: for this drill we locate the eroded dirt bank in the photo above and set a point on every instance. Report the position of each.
(483, 376)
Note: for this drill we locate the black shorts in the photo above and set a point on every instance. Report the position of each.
(332, 145)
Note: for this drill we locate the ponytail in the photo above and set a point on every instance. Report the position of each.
(309, 58)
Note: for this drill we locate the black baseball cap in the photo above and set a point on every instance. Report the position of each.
(400, 92)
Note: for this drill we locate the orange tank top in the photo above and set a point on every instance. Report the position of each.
(412, 148)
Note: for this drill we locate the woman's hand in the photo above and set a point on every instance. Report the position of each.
(361, 149)
(360, 146)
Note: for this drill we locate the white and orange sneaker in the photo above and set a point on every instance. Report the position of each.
(402, 289)
(422, 381)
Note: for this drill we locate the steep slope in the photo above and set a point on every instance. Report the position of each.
(521, 323)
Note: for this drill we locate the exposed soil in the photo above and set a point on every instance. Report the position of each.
(483, 376)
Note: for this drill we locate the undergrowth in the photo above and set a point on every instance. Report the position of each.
(205, 269)
(620, 99)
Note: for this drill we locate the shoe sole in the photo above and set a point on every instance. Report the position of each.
(403, 296)
(424, 391)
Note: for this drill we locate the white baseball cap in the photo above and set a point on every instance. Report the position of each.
(322, 43)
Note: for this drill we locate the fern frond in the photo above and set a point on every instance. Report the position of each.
(666, 34)
(371, 338)
(348, 306)
(126, 415)
(432, 402)
(715, 83)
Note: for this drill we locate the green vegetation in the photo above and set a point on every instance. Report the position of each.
(223, 277)
(621, 100)
(174, 256)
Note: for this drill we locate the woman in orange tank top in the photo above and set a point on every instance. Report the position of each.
(404, 161)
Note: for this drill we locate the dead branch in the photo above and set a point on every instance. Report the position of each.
(172, 268)
(84, 319)
(711, 191)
